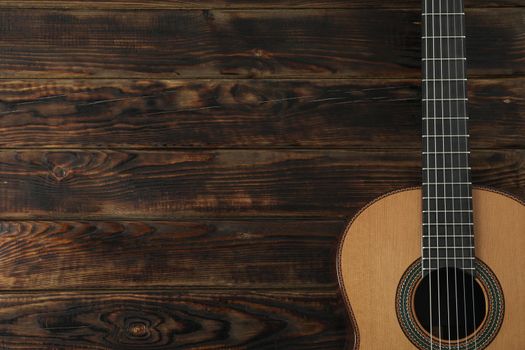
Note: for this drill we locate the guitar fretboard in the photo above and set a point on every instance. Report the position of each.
(447, 204)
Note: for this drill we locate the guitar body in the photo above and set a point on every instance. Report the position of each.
(384, 240)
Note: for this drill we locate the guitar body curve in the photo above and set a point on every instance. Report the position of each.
(384, 240)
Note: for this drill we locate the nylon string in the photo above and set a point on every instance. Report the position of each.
(470, 228)
(428, 170)
(452, 163)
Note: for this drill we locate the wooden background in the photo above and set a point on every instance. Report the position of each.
(177, 174)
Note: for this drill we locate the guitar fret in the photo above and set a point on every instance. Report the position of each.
(444, 14)
(448, 236)
(447, 183)
(448, 168)
(454, 152)
(447, 197)
(445, 59)
(445, 99)
(444, 37)
(449, 258)
(442, 247)
(447, 211)
(448, 224)
(463, 268)
(457, 79)
(445, 118)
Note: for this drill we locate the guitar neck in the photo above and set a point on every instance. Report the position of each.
(447, 204)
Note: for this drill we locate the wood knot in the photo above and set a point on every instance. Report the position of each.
(138, 330)
(60, 173)
(261, 53)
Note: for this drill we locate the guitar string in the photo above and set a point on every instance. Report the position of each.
(428, 228)
(471, 232)
(460, 163)
(435, 178)
(454, 32)
(452, 194)
(445, 214)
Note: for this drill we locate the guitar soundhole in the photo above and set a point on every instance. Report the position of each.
(449, 304)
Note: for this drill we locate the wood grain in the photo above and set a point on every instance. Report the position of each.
(172, 320)
(380, 114)
(254, 254)
(250, 4)
(158, 184)
(183, 207)
(263, 43)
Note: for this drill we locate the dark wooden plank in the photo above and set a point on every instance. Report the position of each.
(188, 4)
(228, 183)
(244, 114)
(173, 320)
(264, 43)
(252, 254)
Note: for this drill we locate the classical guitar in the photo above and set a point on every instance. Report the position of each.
(441, 266)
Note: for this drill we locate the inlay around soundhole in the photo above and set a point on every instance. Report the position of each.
(483, 309)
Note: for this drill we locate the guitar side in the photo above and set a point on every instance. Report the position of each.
(384, 239)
